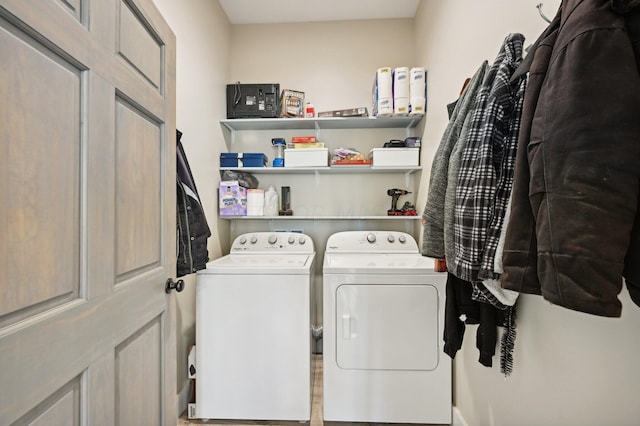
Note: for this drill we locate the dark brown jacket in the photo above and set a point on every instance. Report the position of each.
(577, 176)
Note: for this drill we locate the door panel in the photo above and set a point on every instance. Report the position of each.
(387, 327)
(74, 7)
(138, 214)
(87, 213)
(58, 409)
(41, 219)
(138, 364)
(137, 44)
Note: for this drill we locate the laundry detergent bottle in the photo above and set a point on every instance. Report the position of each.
(271, 202)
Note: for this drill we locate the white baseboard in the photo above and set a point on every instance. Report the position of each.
(458, 420)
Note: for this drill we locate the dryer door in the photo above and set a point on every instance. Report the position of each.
(387, 327)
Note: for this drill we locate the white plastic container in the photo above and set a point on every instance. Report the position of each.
(271, 202)
(255, 202)
(306, 157)
(395, 157)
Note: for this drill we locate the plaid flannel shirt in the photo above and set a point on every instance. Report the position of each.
(504, 185)
(491, 139)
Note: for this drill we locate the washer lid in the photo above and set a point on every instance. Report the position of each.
(260, 264)
(382, 263)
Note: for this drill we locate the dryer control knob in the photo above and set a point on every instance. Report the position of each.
(402, 239)
(302, 240)
(371, 238)
(391, 238)
(254, 239)
(272, 239)
(242, 240)
(291, 240)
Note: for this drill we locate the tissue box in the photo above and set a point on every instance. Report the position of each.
(242, 159)
(232, 199)
(306, 157)
(395, 157)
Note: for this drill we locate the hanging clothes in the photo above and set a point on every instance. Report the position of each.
(483, 183)
(574, 229)
(444, 169)
(479, 142)
(461, 309)
(192, 228)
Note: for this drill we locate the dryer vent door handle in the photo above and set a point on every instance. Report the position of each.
(348, 324)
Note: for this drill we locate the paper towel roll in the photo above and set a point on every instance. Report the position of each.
(401, 91)
(384, 90)
(417, 92)
(255, 202)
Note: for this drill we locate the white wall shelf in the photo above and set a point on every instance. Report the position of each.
(321, 217)
(329, 198)
(320, 123)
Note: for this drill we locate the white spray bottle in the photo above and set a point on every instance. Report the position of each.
(271, 202)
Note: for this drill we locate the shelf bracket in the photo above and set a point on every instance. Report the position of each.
(408, 179)
(410, 227)
(411, 125)
(230, 133)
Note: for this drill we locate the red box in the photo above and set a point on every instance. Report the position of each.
(304, 139)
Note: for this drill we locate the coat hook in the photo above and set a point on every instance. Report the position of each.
(539, 7)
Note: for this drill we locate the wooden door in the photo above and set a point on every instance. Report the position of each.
(87, 213)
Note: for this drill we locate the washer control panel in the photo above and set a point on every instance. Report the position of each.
(372, 242)
(272, 242)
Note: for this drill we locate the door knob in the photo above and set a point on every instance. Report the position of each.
(174, 285)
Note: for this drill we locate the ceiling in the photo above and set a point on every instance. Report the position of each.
(282, 11)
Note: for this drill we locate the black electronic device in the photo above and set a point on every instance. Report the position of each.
(285, 202)
(253, 100)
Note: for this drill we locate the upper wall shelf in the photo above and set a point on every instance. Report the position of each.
(320, 123)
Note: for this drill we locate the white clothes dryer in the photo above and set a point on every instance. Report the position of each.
(253, 330)
(383, 315)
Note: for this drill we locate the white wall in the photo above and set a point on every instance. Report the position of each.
(570, 368)
(202, 33)
(333, 63)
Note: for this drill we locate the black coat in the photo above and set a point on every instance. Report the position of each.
(577, 177)
(193, 230)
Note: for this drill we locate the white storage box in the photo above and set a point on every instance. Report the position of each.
(395, 157)
(306, 157)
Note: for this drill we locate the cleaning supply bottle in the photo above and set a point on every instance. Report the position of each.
(271, 202)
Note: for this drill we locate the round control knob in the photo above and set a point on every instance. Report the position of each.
(402, 239)
(242, 240)
(272, 239)
(253, 240)
(291, 240)
(390, 238)
(371, 238)
(302, 240)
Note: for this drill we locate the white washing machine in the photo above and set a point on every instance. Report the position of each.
(253, 330)
(383, 358)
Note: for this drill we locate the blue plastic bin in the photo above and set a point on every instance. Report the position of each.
(242, 159)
